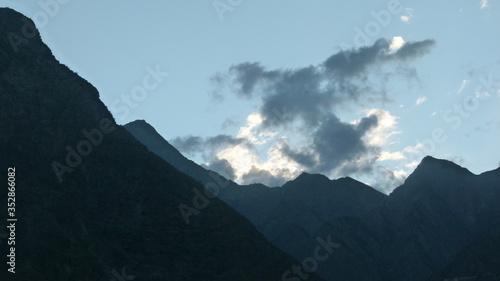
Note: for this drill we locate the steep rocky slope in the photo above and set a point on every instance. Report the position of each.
(92, 203)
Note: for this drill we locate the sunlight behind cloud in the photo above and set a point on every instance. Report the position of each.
(396, 43)
(385, 129)
(253, 132)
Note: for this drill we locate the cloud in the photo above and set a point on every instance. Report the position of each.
(297, 122)
(414, 149)
(247, 76)
(396, 44)
(412, 165)
(484, 4)
(421, 100)
(355, 75)
(253, 131)
(256, 175)
(334, 145)
(407, 16)
(275, 170)
(369, 58)
(386, 180)
(223, 167)
(207, 146)
(386, 155)
(386, 128)
(463, 85)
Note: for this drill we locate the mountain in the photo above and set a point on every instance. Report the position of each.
(91, 202)
(479, 260)
(414, 233)
(292, 216)
(440, 209)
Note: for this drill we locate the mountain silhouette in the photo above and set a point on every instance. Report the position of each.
(92, 203)
(412, 234)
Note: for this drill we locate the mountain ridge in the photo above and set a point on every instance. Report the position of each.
(380, 230)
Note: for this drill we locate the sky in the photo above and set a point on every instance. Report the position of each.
(262, 91)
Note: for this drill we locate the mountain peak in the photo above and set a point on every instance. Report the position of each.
(137, 122)
(310, 178)
(20, 32)
(431, 163)
(440, 175)
(7, 13)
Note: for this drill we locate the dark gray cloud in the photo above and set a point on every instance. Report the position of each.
(188, 144)
(207, 146)
(306, 98)
(334, 144)
(356, 62)
(248, 75)
(310, 95)
(354, 75)
(222, 167)
(413, 50)
(243, 79)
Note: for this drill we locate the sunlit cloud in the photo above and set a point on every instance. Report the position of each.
(250, 168)
(412, 165)
(414, 149)
(253, 132)
(407, 16)
(396, 44)
(421, 100)
(386, 128)
(385, 155)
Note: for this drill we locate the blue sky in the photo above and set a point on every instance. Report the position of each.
(442, 100)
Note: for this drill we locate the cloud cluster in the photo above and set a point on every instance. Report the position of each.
(304, 102)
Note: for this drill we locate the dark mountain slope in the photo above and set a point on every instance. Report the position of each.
(439, 209)
(296, 214)
(117, 207)
(411, 234)
(479, 260)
